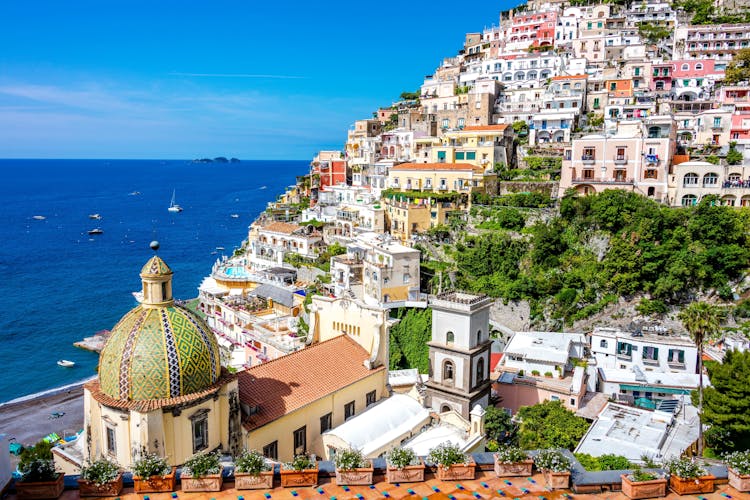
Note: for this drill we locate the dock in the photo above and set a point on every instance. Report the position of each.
(94, 343)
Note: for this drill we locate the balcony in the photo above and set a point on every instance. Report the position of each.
(591, 180)
(624, 356)
(652, 158)
(717, 128)
(588, 159)
(676, 365)
(650, 362)
(621, 159)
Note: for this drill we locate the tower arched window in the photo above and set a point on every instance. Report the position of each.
(448, 371)
(450, 337)
(479, 336)
(480, 370)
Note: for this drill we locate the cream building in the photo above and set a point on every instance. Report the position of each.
(442, 176)
(269, 243)
(481, 146)
(161, 388)
(691, 181)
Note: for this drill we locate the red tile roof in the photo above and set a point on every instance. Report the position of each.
(434, 166)
(479, 128)
(291, 382)
(281, 227)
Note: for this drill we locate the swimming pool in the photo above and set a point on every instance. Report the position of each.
(236, 272)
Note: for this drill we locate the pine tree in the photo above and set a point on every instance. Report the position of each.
(727, 403)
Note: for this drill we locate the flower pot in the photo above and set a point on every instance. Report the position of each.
(655, 488)
(513, 469)
(211, 482)
(557, 480)
(155, 484)
(738, 481)
(293, 478)
(358, 477)
(91, 489)
(692, 486)
(456, 472)
(246, 481)
(408, 474)
(37, 490)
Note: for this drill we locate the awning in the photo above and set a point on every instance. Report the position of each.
(651, 388)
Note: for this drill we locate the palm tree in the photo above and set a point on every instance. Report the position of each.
(702, 321)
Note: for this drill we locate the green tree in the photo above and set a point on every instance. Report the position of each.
(549, 425)
(734, 157)
(702, 321)
(408, 340)
(739, 69)
(727, 403)
(498, 425)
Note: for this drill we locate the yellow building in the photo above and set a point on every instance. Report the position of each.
(406, 217)
(289, 402)
(442, 178)
(478, 145)
(161, 388)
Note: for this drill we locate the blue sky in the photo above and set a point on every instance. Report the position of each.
(251, 79)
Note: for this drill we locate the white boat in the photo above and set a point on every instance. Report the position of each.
(96, 230)
(174, 207)
(220, 248)
(39, 217)
(66, 363)
(138, 296)
(95, 216)
(235, 216)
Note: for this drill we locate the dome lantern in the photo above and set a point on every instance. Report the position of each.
(156, 277)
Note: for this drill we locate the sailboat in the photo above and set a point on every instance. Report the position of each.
(174, 207)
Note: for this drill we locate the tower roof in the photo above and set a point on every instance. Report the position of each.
(155, 267)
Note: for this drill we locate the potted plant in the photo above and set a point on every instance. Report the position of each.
(738, 465)
(556, 468)
(640, 484)
(252, 472)
(686, 477)
(202, 472)
(403, 466)
(39, 480)
(452, 463)
(352, 468)
(153, 474)
(102, 478)
(302, 471)
(512, 461)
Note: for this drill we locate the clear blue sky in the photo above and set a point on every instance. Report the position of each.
(253, 79)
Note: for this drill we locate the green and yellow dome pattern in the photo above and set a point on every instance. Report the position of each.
(158, 353)
(155, 267)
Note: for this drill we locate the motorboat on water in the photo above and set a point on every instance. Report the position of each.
(220, 248)
(174, 207)
(96, 230)
(134, 193)
(235, 216)
(39, 217)
(95, 216)
(66, 363)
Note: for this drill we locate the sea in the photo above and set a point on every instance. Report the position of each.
(58, 284)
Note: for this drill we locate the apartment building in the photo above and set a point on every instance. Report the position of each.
(717, 42)
(443, 176)
(482, 146)
(650, 349)
(270, 243)
(691, 181)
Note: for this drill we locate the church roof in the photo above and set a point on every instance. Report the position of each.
(291, 382)
(155, 267)
(159, 353)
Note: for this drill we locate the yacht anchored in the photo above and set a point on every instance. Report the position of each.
(174, 207)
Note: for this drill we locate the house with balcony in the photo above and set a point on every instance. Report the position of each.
(482, 146)
(691, 181)
(397, 145)
(650, 349)
(268, 244)
(552, 126)
(636, 158)
(390, 273)
(407, 216)
(531, 29)
(717, 42)
(443, 176)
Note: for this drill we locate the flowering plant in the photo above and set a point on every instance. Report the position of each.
(202, 464)
(639, 475)
(347, 460)
(447, 454)
(401, 457)
(552, 461)
(739, 462)
(101, 472)
(300, 463)
(38, 470)
(510, 455)
(251, 462)
(684, 467)
(150, 465)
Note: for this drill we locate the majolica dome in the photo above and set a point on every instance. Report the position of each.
(158, 350)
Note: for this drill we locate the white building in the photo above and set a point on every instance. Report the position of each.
(650, 351)
(542, 353)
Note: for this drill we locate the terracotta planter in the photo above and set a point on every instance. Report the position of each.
(738, 481)
(90, 489)
(37, 490)
(155, 484)
(513, 469)
(211, 482)
(456, 472)
(357, 477)
(557, 480)
(293, 478)
(408, 474)
(246, 481)
(655, 488)
(703, 484)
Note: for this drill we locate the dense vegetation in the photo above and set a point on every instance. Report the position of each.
(604, 462)
(605, 246)
(408, 340)
(549, 425)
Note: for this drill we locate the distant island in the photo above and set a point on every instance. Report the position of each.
(219, 159)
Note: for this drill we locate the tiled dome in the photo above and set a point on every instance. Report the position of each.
(158, 353)
(155, 267)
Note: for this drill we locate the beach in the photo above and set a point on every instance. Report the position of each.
(30, 419)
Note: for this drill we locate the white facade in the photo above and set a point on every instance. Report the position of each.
(614, 348)
(540, 353)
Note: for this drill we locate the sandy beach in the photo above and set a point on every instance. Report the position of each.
(30, 420)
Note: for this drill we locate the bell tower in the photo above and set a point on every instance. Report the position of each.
(156, 277)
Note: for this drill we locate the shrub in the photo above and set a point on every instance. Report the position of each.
(684, 468)
(101, 472)
(349, 460)
(638, 475)
(739, 461)
(300, 463)
(648, 307)
(202, 464)
(251, 462)
(38, 470)
(447, 454)
(511, 455)
(535, 373)
(552, 461)
(151, 465)
(401, 457)
(548, 374)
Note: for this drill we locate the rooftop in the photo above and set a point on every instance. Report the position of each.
(644, 334)
(281, 227)
(434, 166)
(543, 346)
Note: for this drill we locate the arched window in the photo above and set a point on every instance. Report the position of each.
(710, 179)
(699, 67)
(479, 336)
(689, 200)
(603, 343)
(448, 371)
(685, 67)
(445, 408)
(450, 337)
(690, 179)
(480, 370)
(654, 132)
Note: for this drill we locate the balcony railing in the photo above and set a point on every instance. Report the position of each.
(587, 180)
(588, 159)
(621, 159)
(624, 356)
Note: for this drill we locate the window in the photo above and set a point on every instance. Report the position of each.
(624, 349)
(371, 397)
(471, 155)
(650, 174)
(650, 355)
(698, 67)
(200, 432)
(300, 440)
(689, 200)
(603, 343)
(461, 122)
(459, 155)
(710, 179)
(717, 122)
(111, 441)
(441, 156)
(450, 337)
(480, 370)
(448, 370)
(271, 450)
(325, 422)
(676, 356)
(685, 67)
(690, 179)
(348, 410)
(596, 103)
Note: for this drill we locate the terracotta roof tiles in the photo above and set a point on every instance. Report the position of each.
(281, 227)
(486, 128)
(291, 382)
(569, 77)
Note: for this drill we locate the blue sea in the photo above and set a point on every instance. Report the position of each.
(58, 284)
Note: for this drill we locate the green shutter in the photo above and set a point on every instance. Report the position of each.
(441, 155)
(459, 155)
(471, 155)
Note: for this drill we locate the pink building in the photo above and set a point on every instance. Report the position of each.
(661, 78)
(538, 28)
